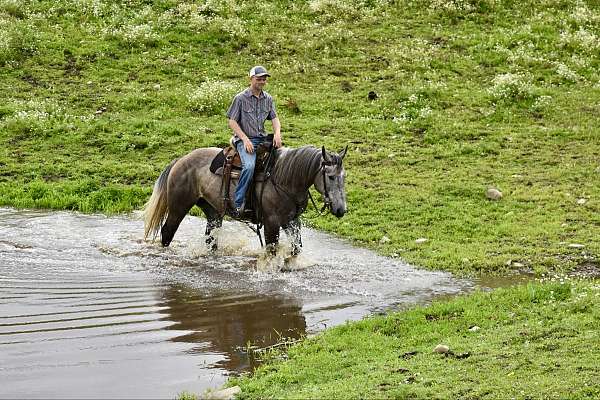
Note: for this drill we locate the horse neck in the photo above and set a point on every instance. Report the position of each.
(297, 168)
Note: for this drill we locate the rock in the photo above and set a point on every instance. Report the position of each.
(581, 201)
(224, 394)
(576, 246)
(441, 349)
(157, 86)
(372, 95)
(474, 328)
(493, 194)
(421, 240)
(384, 240)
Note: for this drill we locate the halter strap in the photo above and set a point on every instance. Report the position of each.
(326, 199)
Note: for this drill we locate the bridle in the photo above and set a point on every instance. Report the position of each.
(326, 199)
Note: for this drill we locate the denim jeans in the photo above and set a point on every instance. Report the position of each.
(248, 163)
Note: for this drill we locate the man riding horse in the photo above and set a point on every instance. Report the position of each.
(278, 199)
(247, 114)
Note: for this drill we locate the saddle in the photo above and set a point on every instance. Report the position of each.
(217, 166)
(228, 164)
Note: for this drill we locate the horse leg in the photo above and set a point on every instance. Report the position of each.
(213, 220)
(292, 229)
(170, 227)
(177, 211)
(271, 237)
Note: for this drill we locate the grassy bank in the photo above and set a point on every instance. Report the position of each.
(527, 342)
(96, 97)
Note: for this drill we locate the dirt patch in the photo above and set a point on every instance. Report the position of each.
(588, 269)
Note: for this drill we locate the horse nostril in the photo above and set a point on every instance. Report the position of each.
(339, 212)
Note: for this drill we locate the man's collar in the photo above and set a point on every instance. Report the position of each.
(248, 93)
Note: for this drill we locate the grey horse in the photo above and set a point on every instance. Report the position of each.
(282, 198)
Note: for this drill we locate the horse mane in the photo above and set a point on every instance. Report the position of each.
(294, 167)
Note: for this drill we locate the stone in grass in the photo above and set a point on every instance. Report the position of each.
(421, 240)
(493, 194)
(441, 349)
(445, 350)
(223, 394)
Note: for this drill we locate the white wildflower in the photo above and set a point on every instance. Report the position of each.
(510, 87)
(566, 73)
(141, 34)
(212, 96)
(541, 103)
(581, 39)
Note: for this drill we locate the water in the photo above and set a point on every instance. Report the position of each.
(90, 310)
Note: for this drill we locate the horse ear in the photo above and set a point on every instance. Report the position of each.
(343, 152)
(326, 157)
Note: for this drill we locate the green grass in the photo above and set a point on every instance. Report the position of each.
(532, 342)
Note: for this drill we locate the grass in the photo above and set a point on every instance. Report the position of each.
(511, 343)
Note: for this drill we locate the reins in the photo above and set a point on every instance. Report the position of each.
(326, 199)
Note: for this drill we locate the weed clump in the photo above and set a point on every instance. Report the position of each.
(511, 87)
(212, 96)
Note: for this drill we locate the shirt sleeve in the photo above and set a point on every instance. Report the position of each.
(235, 109)
(272, 113)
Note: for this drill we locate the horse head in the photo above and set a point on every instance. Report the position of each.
(330, 181)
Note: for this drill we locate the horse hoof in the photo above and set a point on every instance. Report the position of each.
(271, 249)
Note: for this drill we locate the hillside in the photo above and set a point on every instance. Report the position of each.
(97, 96)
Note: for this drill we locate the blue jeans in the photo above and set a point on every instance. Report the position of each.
(248, 163)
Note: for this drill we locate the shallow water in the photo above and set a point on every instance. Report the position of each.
(90, 310)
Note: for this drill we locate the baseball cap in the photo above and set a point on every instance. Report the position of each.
(259, 70)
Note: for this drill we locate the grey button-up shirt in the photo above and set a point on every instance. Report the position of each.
(251, 112)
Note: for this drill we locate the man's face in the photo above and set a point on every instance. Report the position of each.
(258, 82)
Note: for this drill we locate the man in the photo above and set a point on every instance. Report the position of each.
(247, 114)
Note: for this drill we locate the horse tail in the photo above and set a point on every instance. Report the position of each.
(156, 209)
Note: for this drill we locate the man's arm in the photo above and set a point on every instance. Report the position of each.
(276, 132)
(240, 133)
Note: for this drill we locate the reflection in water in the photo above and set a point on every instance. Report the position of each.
(88, 309)
(227, 323)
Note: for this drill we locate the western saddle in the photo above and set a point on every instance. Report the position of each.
(228, 164)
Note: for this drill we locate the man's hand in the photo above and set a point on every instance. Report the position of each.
(277, 140)
(248, 146)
